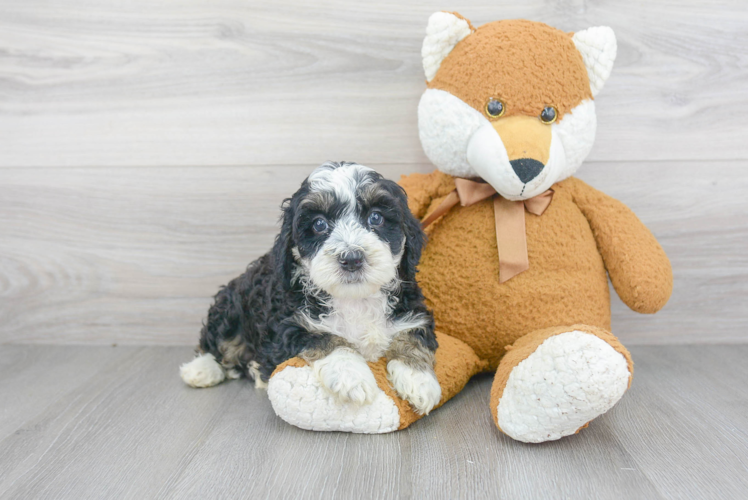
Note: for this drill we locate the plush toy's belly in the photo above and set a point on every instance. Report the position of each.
(566, 282)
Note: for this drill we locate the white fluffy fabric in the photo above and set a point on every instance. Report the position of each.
(488, 157)
(598, 48)
(576, 132)
(445, 125)
(418, 387)
(443, 32)
(203, 371)
(570, 379)
(298, 398)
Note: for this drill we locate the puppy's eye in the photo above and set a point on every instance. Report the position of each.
(376, 219)
(320, 225)
(548, 115)
(495, 108)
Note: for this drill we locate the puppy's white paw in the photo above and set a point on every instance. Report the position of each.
(203, 371)
(419, 387)
(345, 374)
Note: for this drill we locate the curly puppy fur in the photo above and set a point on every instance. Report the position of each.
(339, 279)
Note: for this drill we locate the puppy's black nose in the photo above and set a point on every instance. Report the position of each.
(352, 260)
(526, 168)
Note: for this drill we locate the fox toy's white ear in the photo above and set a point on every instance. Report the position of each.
(443, 32)
(598, 48)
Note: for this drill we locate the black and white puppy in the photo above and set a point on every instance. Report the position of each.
(338, 289)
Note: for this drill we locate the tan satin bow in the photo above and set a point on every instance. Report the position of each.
(510, 221)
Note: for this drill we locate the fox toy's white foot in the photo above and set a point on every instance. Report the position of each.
(299, 397)
(570, 379)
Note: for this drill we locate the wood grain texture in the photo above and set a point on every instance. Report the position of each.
(133, 255)
(34, 377)
(700, 396)
(236, 82)
(130, 255)
(147, 145)
(133, 430)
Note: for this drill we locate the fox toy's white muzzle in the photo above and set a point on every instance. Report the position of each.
(513, 178)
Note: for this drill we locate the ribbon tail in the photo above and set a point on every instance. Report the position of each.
(451, 200)
(510, 238)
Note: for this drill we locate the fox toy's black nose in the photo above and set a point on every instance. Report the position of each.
(352, 260)
(526, 168)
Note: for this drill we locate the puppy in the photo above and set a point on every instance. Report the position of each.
(338, 289)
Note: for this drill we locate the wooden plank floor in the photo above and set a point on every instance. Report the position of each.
(116, 422)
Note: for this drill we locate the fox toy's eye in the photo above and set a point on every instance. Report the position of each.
(548, 115)
(495, 108)
(320, 225)
(376, 219)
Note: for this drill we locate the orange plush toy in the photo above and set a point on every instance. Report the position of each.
(519, 253)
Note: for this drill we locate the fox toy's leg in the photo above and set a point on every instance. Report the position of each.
(298, 397)
(553, 382)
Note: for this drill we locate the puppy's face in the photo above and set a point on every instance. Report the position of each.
(349, 231)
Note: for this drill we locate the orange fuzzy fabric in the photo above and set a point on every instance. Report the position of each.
(581, 235)
(525, 64)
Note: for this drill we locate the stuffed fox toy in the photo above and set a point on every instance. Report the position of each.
(519, 253)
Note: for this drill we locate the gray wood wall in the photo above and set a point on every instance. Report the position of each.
(145, 147)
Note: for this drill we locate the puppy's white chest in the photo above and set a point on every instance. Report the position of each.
(363, 323)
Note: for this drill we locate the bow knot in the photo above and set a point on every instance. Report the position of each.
(511, 238)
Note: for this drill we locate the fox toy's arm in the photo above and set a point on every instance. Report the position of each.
(638, 267)
(424, 189)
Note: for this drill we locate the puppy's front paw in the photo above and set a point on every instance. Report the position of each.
(419, 387)
(346, 375)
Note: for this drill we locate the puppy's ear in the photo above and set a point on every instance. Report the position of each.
(415, 238)
(282, 255)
